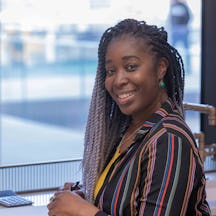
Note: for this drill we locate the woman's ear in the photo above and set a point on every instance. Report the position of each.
(162, 68)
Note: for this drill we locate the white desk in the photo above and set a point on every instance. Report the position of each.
(24, 211)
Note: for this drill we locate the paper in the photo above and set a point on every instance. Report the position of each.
(24, 211)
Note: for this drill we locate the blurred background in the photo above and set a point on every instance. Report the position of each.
(48, 62)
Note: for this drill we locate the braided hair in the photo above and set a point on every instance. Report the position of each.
(105, 120)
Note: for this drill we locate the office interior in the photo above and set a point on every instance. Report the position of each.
(48, 63)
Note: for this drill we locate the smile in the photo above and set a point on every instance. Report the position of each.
(125, 95)
(124, 98)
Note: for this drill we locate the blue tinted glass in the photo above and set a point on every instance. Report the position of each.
(48, 64)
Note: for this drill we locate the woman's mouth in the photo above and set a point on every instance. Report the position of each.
(124, 98)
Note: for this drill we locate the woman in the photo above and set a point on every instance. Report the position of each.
(140, 157)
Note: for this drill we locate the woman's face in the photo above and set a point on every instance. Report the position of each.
(133, 76)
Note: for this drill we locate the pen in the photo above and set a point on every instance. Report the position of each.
(75, 187)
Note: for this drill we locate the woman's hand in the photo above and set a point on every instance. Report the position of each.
(69, 203)
(71, 186)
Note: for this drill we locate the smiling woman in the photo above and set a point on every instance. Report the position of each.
(48, 64)
(140, 156)
(132, 77)
(132, 72)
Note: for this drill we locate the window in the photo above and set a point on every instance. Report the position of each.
(48, 64)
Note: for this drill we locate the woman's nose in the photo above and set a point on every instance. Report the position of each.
(120, 78)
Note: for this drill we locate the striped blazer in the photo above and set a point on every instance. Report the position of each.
(160, 174)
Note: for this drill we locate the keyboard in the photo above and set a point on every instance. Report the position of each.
(9, 198)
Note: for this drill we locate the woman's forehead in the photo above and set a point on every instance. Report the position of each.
(129, 37)
(128, 42)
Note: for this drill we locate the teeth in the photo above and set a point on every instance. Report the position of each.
(125, 95)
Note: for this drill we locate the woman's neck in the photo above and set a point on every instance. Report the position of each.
(138, 118)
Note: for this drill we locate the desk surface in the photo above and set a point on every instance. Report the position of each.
(24, 211)
(39, 211)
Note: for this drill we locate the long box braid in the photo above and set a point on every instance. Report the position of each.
(105, 121)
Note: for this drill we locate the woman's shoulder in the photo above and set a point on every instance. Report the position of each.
(174, 123)
(176, 126)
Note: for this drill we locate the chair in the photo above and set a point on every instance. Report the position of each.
(205, 149)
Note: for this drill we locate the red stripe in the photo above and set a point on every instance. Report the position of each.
(118, 191)
(168, 177)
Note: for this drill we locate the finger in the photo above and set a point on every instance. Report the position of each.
(51, 205)
(60, 189)
(80, 193)
(60, 193)
(52, 198)
(68, 185)
(57, 193)
(51, 213)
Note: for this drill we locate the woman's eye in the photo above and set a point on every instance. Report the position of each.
(109, 72)
(131, 67)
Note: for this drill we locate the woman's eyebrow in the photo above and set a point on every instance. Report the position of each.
(108, 61)
(129, 57)
(125, 58)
